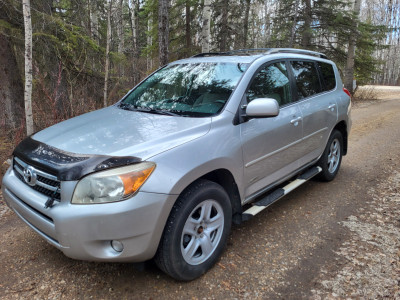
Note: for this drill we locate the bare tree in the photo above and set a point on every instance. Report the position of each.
(107, 66)
(26, 9)
(149, 41)
(163, 30)
(292, 33)
(246, 23)
(224, 26)
(306, 36)
(205, 33)
(134, 28)
(187, 28)
(120, 27)
(349, 70)
(266, 21)
(132, 11)
(94, 21)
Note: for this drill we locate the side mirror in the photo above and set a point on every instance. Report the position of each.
(262, 108)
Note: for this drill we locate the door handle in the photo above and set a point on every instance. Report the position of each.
(295, 121)
(332, 107)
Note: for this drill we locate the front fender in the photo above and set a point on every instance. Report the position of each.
(179, 167)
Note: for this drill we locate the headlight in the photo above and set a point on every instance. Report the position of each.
(112, 185)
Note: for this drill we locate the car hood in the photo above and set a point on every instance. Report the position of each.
(117, 132)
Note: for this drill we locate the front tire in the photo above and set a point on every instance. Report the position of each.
(332, 157)
(196, 231)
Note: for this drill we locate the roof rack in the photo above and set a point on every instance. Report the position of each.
(234, 52)
(204, 54)
(249, 51)
(262, 51)
(296, 51)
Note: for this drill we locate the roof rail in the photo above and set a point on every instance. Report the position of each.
(262, 51)
(204, 54)
(234, 52)
(296, 51)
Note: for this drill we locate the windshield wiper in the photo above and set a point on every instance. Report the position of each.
(132, 107)
(155, 111)
(126, 106)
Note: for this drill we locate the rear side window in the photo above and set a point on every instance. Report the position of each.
(328, 75)
(306, 76)
(271, 81)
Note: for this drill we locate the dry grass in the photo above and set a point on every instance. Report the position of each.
(365, 93)
(376, 92)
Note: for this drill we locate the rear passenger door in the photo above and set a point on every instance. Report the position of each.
(271, 145)
(317, 103)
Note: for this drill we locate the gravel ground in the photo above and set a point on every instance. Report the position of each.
(322, 241)
(371, 264)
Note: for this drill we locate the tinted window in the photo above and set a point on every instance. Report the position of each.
(271, 82)
(306, 77)
(328, 75)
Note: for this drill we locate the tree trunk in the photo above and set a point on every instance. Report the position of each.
(224, 26)
(120, 33)
(26, 8)
(293, 31)
(163, 31)
(149, 42)
(205, 31)
(267, 23)
(107, 66)
(306, 37)
(349, 70)
(132, 11)
(187, 29)
(246, 23)
(11, 87)
(120, 27)
(94, 21)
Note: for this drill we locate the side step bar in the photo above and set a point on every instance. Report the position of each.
(262, 204)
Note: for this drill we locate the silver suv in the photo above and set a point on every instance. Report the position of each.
(199, 144)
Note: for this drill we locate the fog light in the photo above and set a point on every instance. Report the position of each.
(117, 245)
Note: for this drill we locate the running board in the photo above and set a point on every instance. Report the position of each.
(279, 193)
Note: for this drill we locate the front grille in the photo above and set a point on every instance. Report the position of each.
(46, 184)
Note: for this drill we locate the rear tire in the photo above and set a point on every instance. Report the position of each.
(196, 231)
(332, 157)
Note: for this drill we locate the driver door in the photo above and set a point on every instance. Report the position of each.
(271, 146)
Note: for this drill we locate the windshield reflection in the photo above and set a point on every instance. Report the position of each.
(196, 89)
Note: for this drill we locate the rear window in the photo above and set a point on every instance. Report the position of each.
(306, 76)
(328, 75)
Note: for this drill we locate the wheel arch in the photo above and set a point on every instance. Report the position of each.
(224, 178)
(342, 128)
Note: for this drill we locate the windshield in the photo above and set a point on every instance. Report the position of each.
(195, 89)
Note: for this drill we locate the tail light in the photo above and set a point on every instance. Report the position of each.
(347, 92)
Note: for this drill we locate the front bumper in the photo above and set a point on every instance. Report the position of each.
(85, 231)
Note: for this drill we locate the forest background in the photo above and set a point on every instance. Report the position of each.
(86, 54)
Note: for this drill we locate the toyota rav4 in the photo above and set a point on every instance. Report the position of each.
(199, 144)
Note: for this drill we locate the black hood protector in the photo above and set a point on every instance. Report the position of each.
(67, 166)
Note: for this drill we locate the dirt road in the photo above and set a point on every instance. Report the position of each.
(338, 239)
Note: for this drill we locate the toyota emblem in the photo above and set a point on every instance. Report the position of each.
(30, 176)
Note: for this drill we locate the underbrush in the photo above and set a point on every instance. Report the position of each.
(6, 148)
(365, 93)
